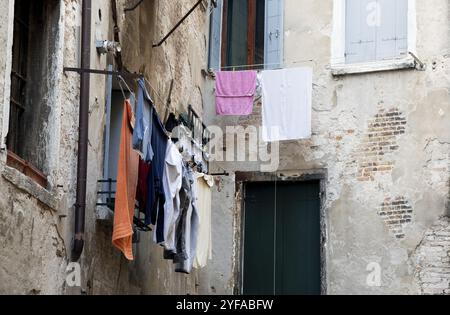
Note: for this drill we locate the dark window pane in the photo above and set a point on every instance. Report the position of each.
(259, 30)
(242, 20)
(237, 32)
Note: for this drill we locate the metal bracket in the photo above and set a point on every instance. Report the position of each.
(106, 46)
(178, 24)
(133, 7)
(104, 72)
(419, 64)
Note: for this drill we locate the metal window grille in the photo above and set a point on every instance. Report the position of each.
(18, 76)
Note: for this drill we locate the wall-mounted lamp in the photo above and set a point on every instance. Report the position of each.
(106, 46)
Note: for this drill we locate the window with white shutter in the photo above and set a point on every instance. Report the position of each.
(375, 30)
(274, 33)
(246, 34)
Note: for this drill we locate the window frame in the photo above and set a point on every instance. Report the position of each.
(223, 47)
(251, 33)
(20, 59)
(12, 162)
(339, 66)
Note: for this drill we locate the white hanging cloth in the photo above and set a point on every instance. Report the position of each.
(287, 103)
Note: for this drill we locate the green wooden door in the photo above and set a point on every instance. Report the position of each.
(282, 238)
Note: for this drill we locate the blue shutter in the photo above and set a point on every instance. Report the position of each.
(360, 36)
(392, 36)
(273, 52)
(215, 38)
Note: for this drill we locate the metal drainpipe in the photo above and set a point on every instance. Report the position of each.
(80, 205)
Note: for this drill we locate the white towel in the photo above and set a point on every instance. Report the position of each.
(286, 101)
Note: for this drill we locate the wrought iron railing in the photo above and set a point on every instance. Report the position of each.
(108, 197)
(198, 128)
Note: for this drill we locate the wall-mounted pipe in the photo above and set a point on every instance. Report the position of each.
(83, 132)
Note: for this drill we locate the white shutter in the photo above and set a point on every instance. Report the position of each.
(273, 44)
(393, 32)
(215, 38)
(360, 30)
(376, 29)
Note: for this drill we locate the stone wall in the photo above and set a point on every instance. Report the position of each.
(402, 116)
(383, 139)
(36, 225)
(433, 259)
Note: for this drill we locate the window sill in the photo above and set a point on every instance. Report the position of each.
(14, 161)
(369, 67)
(28, 185)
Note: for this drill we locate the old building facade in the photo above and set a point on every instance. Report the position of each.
(379, 151)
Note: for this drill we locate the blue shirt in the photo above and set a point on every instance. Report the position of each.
(159, 141)
(142, 133)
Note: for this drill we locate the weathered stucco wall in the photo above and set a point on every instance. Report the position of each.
(390, 213)
(384, 140)
(36, 225)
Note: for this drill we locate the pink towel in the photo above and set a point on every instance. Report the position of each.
(235, 91)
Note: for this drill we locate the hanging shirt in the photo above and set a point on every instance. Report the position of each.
(235, 91)
(142, 187)
(187, 227)
(172, 180)
(143, 130)
(286, 104)
(172, 122)
(127, 173)
(156, 198)
(204, 184)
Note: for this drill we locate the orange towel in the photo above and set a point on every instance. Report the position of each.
(127, 175)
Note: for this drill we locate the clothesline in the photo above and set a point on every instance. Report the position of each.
(260, 65)
(154, 179)
(167, 133)
(287, 64)
(282, 65)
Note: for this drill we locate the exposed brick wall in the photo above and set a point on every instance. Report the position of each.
(380, 141)
(396, 213)
(433, 259)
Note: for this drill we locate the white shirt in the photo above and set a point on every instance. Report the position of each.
(203, 187)
(172, 179)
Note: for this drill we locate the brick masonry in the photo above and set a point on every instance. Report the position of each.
(433, 259)
(396, 213)
(380, 142)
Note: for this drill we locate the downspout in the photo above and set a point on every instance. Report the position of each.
(83, 132)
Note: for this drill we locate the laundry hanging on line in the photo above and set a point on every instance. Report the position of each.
(286, 100)
(172, 180)
(142, 133)
(154, 178)
(286, 104)
(235, 91)
(203, 186)
(127, 173)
